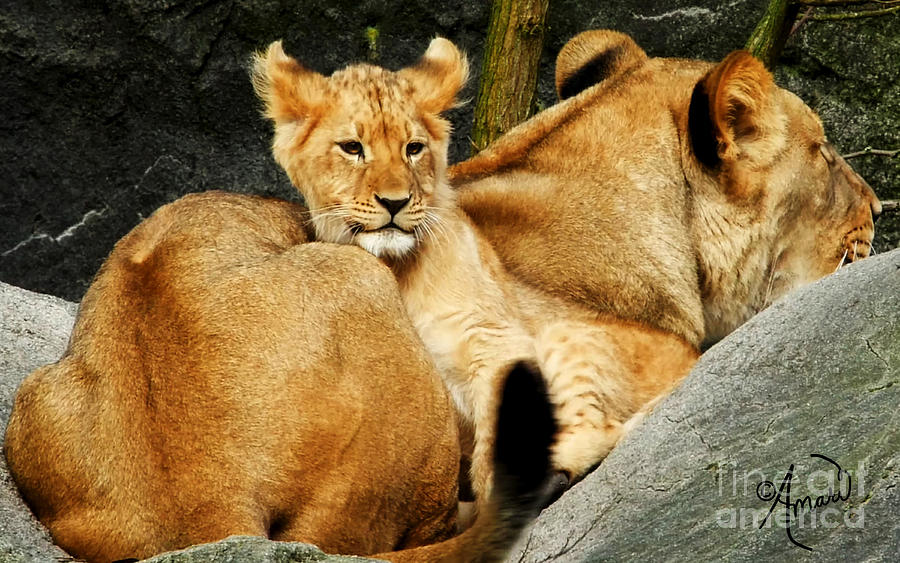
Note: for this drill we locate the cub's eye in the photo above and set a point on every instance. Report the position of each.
(351, 147)
(414, 148)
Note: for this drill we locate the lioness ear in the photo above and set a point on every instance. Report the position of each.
(438, 76)
(592, 57)
(289, 91)
(733, 114)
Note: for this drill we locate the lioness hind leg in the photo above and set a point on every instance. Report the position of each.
(603, 378)
(640, 415)
(588, 385)
(107, 535)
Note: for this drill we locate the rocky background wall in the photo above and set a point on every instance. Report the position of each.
(110, 109)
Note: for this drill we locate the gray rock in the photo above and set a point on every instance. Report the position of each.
(111, 109)
(816, 373)
(237, 549)
(34, 330)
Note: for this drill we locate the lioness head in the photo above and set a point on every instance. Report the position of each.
(776, 205)
(759, 150)
(366, 147)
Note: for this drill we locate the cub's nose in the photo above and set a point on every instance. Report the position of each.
(392, 205)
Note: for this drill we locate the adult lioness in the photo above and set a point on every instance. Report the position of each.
(224, 378)
(672, 196)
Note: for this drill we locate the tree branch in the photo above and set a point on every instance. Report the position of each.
(890, 206)
(768, 39)
(869, 150)
(842, 3)
(803, 18)
(854, 15)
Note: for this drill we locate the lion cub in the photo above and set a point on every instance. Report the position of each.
(367, 148)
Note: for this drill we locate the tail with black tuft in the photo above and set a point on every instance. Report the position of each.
(526, 430)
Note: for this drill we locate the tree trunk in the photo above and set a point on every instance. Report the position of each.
(768, 39)
(509, 68)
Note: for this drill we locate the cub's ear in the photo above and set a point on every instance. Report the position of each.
(438, 76)
(290, 91)
(733, 113)
(592, 57)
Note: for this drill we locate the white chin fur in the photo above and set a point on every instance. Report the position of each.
(390, 243)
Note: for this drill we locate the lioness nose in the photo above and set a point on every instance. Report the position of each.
(392, 205)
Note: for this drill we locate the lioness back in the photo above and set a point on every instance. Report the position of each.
(223, 378)
(681, 194)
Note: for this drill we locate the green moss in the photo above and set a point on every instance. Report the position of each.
(371, 34)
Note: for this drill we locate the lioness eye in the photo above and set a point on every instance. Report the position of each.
(414, 148)
(351, 147)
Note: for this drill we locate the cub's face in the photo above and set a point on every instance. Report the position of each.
(366, 147)
(372, 167)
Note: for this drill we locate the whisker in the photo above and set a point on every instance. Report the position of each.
(332, 207)
(439, 227)
(335, 231)
(423, 232)
(424, 227)
(428, 227)
(335, 213)
(771, 283)
(339, 210)
(318, 220)
(841, 263)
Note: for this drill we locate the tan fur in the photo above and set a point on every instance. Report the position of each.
(197, 397)
(595, 55)
(600, 208)
(226, 377)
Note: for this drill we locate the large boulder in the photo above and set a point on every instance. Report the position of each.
(250, 548)
(111, 109)
(816, 373)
